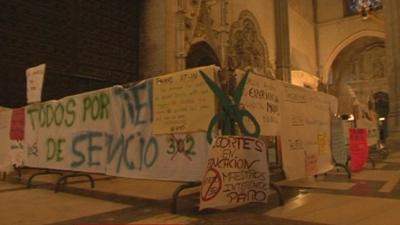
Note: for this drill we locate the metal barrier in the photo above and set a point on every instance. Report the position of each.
(62, 180)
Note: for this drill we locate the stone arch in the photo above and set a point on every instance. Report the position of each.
(325, 75)
(247, 48)
(358, 72)
(201, 54)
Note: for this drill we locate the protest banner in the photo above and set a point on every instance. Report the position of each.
(305, 127)
(110, 131)
(116, 130)
(142, 154)
(34, 83)
(182, 101)
(358, 148)
(237, 173)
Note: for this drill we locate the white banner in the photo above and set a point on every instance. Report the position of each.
(70, 133)
(136, 152)
(306, 132)
(5, 143)
(237, 173)
(110, 131)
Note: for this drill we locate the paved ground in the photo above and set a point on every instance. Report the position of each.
(370, 197)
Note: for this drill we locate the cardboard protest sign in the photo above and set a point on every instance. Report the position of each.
(17, 129)
(34, 83)
(182, 101)
(262, 98)
(358, 148)
(237, 173)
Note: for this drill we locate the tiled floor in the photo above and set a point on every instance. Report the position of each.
(372, 196)
(39, 206)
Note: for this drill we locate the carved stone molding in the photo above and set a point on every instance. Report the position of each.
(203, 21)
(369, 64)
(247, 47)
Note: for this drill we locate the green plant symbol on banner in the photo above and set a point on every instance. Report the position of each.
(231, 113)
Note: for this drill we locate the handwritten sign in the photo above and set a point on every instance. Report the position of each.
(261, 98)
(305, 118)
(183, 102)
(323, 144)
(237, 173)
(358, 148)
(34, 83)
(369, 123)
(311, 162)
(17, 129)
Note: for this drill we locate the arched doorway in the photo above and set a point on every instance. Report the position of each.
(358, 73)
(201, 54)
(381, 100)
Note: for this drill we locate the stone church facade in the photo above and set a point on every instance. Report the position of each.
(101, 43)
(271, 37)
(348, 53)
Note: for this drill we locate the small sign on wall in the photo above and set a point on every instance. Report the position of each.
(34, 83)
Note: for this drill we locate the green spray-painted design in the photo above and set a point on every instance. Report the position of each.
(231, 113)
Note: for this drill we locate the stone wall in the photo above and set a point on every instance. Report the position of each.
(86, 45)
(302, 36)
(153, 34)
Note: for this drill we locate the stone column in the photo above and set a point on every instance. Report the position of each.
(392, 70)
(282, 40)
(180, 36)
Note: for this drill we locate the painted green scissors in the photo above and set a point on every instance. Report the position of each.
(231, 112)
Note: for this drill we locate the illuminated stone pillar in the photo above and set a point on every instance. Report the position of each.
(282, 40)
(392, 70)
